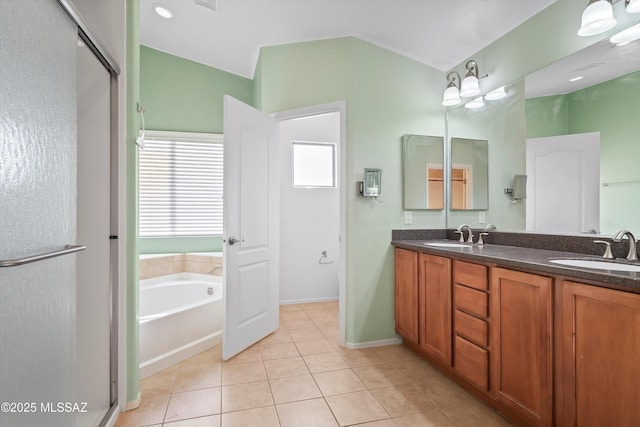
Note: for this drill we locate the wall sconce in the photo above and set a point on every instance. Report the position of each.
(632, 6)
(470, 86)
(371, 186)
(597, 18)
(452, 92)
(496, 94)
(475, 103)
(626, 36)
(519, 190)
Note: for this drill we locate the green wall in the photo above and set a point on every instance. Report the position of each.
(610, 108)
(185, 96)
(387, 95)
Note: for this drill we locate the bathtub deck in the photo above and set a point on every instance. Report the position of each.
(299, 375)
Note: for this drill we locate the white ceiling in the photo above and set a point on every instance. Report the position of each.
(438, 33)
(597, 63)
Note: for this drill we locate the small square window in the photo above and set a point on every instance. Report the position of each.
(313, 164)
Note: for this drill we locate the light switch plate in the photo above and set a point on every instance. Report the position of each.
(482, 217)
(408, 217)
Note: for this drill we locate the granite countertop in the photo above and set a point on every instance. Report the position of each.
(535, 260)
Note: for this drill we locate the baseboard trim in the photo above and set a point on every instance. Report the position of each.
(378, 343)
(305, 301)
(133, 405)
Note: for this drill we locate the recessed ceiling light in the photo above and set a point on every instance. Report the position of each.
(163, 11)
(575, 79)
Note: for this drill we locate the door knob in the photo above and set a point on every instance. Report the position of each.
(232, 240)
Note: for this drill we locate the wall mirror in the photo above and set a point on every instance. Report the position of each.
(469, 174)
(573, 129)
(423, 172)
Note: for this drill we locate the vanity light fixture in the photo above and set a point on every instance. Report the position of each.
(163, 11)
(632, 6)
(470, 86)
(626, 36)
(597, 18)
(496, 94)
(452, 92)
(475, 103)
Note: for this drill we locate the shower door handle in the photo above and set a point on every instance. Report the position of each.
(232, 240)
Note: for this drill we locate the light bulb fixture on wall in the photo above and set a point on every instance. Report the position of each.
(452, 92)
(632, 6)
(475, 103)
(597, 18)
(496, 94)
(626, 36)
(470, 86)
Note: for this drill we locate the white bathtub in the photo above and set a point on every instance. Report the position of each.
(178, 319)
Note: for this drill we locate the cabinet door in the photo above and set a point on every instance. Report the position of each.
(521, 345)
(435, 306)
(600, 356)
(406, 294)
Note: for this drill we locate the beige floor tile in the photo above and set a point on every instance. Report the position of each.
(363, 357)
(206, 359)
(285, 308)
(298, 323)
(402, 400)
(382, 423)
(212, 421)
(151, 411)
(354, 408)
(433, 418)
(294, 388)
(243, 373)
(279, 336)
(324, 362)
(319, 312)
(198, 379)
(418, 371)
(263, 417)
(307, 413)
(445, 394)
(279, 351)
(294, 315)
(310, 306)
(282, 368)
(160, 383)
(395, 353)
(378, 376)
(332, 305)
(193, 404)
(476, 414)
(246, 396)
(314, 347)
(307, 334)
(338, 382)
(252, 354)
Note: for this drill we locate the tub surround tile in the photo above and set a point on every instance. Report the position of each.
(212, 421)
(308, 413)
(193, 404)
(246, 396)
(354, 408)
(243, 373)
(283, 368)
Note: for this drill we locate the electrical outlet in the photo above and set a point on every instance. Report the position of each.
(482, 217)
(408, 217)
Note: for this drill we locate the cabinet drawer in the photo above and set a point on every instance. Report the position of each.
(472, 328)
(471, 301)
(472, 275)
(472, 362)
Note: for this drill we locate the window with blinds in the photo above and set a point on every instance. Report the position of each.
(180, 184)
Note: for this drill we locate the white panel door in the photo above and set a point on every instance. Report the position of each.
(251, 226)
(563, 193)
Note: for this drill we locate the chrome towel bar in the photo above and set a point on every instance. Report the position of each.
(68, 249)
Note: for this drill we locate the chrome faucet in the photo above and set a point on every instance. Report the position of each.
(633, 255)
(461, 231)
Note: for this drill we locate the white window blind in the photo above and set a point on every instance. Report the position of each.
(181, 184)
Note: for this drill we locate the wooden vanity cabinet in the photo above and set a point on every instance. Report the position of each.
(406, 294)
(435, 306)
(600, 357)
(521, 345)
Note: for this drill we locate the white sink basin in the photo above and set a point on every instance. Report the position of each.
(600, 265)
(447, 245)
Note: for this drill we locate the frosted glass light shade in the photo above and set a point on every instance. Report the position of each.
(475, 103)
(626, 36)
(451, 97)
(597, 18)
(633, 6)
(470, 87)
(496, 94)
